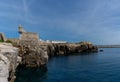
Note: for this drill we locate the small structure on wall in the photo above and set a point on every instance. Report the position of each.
(20, 29)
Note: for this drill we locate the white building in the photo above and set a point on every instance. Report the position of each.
(55, 41)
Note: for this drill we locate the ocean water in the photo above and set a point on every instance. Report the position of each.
(86, 67)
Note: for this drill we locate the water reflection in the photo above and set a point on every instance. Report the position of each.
(31, 74)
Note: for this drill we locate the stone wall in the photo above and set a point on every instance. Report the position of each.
(29, 38)
(32, 54)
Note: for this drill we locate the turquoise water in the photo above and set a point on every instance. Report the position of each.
(87, 67)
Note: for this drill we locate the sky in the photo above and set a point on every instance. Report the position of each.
(97, 21)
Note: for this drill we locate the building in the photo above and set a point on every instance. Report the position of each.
(55, 41)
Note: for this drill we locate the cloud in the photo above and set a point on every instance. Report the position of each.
(25, 7)
(98, 22)
(77, 20)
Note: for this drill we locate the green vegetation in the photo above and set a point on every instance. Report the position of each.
(1, 41)
(8, 41)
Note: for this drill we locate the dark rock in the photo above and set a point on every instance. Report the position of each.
(101, 50)
(68, 48)
(33, 56)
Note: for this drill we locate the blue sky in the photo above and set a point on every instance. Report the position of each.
(97, 21)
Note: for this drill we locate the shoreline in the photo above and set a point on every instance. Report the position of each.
(31, 52)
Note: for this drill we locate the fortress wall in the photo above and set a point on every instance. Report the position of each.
(29, 38)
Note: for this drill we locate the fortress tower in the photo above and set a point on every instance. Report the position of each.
(28, 38)
(20, 29)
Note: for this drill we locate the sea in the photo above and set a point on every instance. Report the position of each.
(84, 67)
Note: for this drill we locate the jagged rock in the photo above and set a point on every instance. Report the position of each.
(8, 62)
(69, 48)
(33, 56)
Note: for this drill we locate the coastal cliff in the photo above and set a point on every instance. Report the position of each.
(32, 56)
(29, 51)
(9, 60)
(59, 49)
(35, 53)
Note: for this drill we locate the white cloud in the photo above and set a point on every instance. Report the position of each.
(97, 20)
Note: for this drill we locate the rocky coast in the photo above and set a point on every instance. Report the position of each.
(9, 61)
(29, 51)
(37, 55)
(62, 49)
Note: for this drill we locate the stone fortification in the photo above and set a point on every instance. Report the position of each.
(20, 29)
(32, 54)
(29, 38)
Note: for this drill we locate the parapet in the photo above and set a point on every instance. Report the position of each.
(29, 38)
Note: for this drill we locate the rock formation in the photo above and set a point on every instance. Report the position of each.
(9, 60)
(35, 53)
(33, 56)
(30, 51)
(69, 48)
